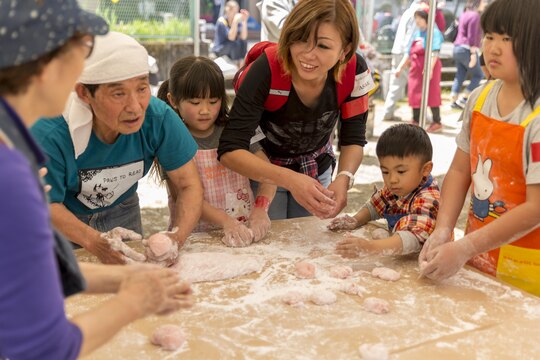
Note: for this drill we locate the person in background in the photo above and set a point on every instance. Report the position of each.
(402, 42)
(409, 200)
(396, 86)
(196, 91)
(498, 158)
(466, 52)
(316, 51)
(231, 33)
(415, 59)
(44, 45)
(105, 141)
(273, 15)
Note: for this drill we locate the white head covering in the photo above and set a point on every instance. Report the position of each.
(116, 57)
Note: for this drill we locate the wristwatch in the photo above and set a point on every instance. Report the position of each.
(348, 174)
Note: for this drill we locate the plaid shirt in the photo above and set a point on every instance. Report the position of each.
(307, 162)
(420, 208)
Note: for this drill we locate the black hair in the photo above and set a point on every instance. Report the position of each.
(196, 77)
(421, 13)
(92, 88)
(517, 19)
(404, 140)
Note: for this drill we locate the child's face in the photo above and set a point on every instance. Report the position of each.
(199, 115)
(499, 57)
(402, 175)
(420, 23)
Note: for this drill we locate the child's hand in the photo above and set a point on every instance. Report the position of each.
(236, 234)
(352, 247)
(437, 238)
(345, 222)
(446, 260)
(259, 223)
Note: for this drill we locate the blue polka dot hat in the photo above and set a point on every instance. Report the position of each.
(31, 28)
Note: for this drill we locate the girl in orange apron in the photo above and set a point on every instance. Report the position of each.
(498, 184)
(502, 234)
(196, 91)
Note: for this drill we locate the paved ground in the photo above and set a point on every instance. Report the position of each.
(154, 198)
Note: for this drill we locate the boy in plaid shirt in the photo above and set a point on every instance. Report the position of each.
(409, 200)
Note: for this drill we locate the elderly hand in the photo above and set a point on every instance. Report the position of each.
(42, 173)
(161, 248)
(352, 247)
(111, 249)
(236, 234)
(155, 292)
(259, 223)
(446, 259)
(345, 222)
(314, 197)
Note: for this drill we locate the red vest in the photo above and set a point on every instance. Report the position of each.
(280, 83)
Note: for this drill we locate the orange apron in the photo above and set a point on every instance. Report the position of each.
(223, 188)
(498, 185)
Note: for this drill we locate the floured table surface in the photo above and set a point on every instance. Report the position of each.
(470, 316)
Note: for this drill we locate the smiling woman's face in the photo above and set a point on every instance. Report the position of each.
(313, 59)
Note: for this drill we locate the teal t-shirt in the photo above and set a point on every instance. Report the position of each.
(106, 174)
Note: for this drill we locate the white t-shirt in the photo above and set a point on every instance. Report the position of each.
(531, 169)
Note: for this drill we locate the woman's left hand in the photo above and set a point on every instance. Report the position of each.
(339, 187)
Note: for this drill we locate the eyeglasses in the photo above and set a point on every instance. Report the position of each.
(88, 42)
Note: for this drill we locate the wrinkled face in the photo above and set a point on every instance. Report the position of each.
(119, 107)
(199, 115)
(314, 58)
(402, 175)
(499, 57)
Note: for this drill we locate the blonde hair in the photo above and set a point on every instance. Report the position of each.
(306, 18)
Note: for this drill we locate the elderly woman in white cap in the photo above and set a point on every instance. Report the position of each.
(110, 133)
(44, 44)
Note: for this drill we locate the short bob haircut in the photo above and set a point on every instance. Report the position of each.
(403, 140)
(196, 77)
(518, 19)
(305, 20)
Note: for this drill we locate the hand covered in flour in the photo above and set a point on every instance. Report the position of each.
(121, 253)
(438, 237)
(259, 223)
(345, 222)
(446, 260)
(313, 197)
(352, 247)
(236, 234)
(155, 292)
(161, 249)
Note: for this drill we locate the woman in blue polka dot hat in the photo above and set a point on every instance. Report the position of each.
(43, 45)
